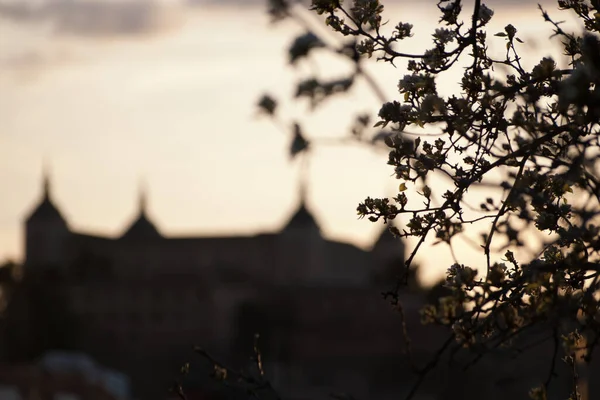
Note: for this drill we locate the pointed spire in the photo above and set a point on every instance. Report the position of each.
(143, 197)
(303, 217)
(303, 189)
(46, 208)
(142, 227)
(46, 181)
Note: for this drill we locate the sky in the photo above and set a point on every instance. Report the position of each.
(110, 95)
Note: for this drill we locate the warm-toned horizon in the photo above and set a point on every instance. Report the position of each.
(166, 95)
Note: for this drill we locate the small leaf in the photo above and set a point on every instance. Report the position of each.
(507, 45)
(519, 40)
(532, 286)
(303, 45)
(299, 144)
(402, 187)
(406, 94)
(426, 191)
(220, 373)
(501, 34)
(389, 142)
(267, 104)
(185, 369)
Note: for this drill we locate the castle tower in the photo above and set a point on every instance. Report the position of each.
(46, 233)
(302, 222)
(142, 227)
(388, 253)
(301, 246)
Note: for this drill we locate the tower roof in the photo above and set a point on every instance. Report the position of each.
(302, 218)
(46, 209)
(142, 227)
(387, 237)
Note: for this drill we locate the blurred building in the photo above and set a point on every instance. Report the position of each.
(144, 299)
(138, 303)
(297, 255)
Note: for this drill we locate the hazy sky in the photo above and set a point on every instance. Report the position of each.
(113, 92)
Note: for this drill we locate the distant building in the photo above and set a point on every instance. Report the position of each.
(296, 255)
(144, 290)
(145, 299)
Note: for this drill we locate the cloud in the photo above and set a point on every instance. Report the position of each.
(40, 20)
(30, 63)
(495, 3)
(92, 17)
(132, 17)
(38, 35)
(25, 59)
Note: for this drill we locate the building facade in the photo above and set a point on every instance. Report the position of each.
(144, 290)
(145, 299)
